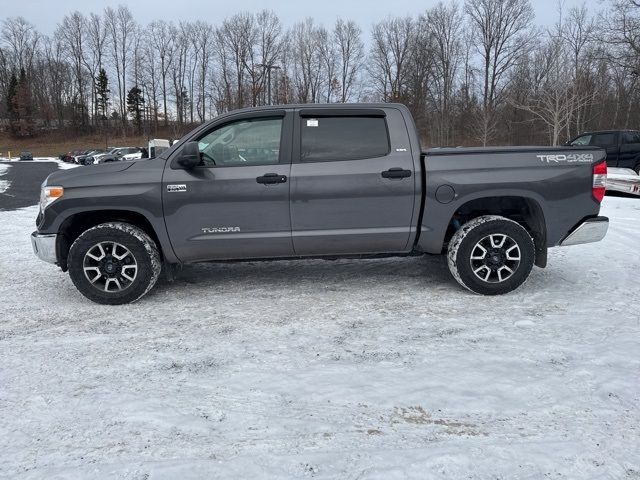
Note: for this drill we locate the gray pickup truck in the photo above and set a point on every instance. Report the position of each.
(318, 181)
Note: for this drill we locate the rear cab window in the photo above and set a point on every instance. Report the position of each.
(340, 138)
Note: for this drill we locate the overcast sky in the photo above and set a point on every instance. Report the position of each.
(46, 14)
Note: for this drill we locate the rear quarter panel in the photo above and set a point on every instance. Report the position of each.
(561, 187)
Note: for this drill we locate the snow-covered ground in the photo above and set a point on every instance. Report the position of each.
(375, 369)
(62, 165)
(4, 184)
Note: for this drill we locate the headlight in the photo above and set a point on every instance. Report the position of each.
(48, 195)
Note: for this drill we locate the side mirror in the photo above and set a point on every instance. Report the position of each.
(189, 156)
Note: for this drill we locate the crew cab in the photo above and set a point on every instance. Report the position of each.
(622, 146)
(331, 181)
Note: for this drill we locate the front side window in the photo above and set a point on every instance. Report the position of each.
(328, 139)
(242, 143)
(583, 140)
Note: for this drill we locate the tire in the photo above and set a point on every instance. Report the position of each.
(484, 272)
(114, 263)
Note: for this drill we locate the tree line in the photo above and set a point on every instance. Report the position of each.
(474, 73)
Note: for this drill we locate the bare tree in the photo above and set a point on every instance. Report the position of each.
(162, 41)
(444, 22)
(203, 38)
(72, 31)
(120, 27)
(502, 34)
(350, 55)
(96, 44)
(307, 60)
(269, 47)
(21, 41)
(179, 70)
(238, 36)
(552, 98)
(393, 41)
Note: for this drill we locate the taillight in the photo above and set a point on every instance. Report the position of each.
(599, 181)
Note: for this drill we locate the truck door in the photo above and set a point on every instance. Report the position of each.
(352, 182)
(608, 141)
(629, 150)
(235, 204)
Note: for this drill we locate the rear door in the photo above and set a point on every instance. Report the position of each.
(629, 150)
(236, 203)
(352, 182)
(608, 141)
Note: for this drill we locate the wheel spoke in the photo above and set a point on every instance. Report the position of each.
(514, 257)
(482, 250)
(483, 267)
(102, 253)
(109, 282)
(115, 255)
(497, 244)
(132, 276)
(92, 269)
(501, 269)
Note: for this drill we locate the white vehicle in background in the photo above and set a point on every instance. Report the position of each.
(134, 156)
(157, 146)
(623, 180)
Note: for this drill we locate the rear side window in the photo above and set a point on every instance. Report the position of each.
(630, 137)
(603, 139)
(329, 139)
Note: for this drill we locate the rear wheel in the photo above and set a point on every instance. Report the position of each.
(491, 255)
(114, 263)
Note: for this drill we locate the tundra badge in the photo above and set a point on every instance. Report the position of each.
(221, 230)
(176, 188)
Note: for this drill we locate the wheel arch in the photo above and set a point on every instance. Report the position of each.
(74, 225)
(524, 210)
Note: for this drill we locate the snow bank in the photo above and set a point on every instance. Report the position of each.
(4, 184)
(62, 165)
(370, 369)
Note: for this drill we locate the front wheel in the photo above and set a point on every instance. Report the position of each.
(114, 263)
(491, 255)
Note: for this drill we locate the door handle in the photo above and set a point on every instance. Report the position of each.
(271, 178)
(396, 173)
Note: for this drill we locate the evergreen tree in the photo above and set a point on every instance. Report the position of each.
(12, 105)
(102, 93)
(20, 106)
(135, 104)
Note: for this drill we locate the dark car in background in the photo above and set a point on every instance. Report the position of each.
(622, 146)
(115, 154)
(26, 156)
(69, 157)
(88, 158)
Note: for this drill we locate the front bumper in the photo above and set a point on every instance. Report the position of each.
(592, 230)
(44, 246)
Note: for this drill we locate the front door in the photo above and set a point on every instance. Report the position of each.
(235, 204)
(352, 184)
